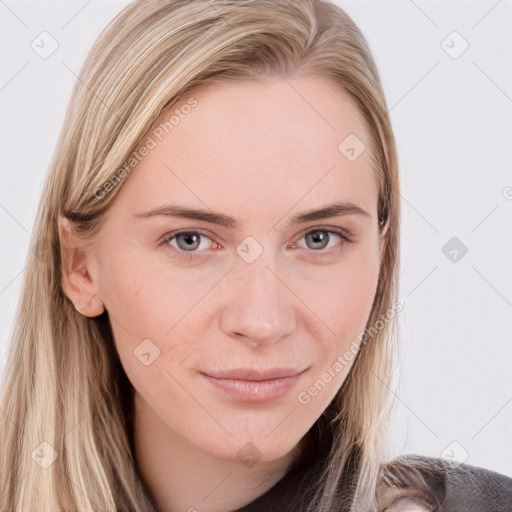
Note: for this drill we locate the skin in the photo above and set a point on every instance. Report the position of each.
(261, 153)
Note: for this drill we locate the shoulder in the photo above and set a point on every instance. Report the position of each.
(422, 483)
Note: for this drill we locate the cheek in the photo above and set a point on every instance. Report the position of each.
(343, 302)
(358, 292)
(342, 295)
(148, 299)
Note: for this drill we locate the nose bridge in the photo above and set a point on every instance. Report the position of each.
(259, 307)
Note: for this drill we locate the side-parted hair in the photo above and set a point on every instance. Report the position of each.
(65, 395)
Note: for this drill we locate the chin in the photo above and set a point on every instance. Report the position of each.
(254, 448)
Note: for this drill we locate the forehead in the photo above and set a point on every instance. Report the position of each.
(249, 145)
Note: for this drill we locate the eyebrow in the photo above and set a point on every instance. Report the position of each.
(327, 211)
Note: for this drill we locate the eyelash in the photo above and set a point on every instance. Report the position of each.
(346, 238)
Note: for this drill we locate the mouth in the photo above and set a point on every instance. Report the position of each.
(256, 375)
(255, 386)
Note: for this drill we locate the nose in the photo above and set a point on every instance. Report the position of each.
(258, 307)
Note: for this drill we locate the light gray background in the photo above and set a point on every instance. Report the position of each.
(453, 123)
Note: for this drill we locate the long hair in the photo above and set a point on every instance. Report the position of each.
(65, 422)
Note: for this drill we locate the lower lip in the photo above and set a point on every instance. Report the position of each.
(255, 391)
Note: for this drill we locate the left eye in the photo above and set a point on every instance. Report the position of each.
(320, 238)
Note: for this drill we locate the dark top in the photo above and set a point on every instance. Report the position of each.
(464, 488)
(457, 487)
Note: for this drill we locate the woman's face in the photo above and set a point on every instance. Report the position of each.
(256, 284)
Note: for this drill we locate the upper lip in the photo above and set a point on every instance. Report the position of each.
(256, 375)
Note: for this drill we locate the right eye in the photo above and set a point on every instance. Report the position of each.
(188, 243)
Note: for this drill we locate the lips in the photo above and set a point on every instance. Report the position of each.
(255, 386)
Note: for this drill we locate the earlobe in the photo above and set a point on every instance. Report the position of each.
(76, 280)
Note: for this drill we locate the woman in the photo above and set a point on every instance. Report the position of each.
(209, 321)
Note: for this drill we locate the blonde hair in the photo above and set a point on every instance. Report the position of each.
(63, 383)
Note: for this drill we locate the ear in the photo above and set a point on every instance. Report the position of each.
(77, 282)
